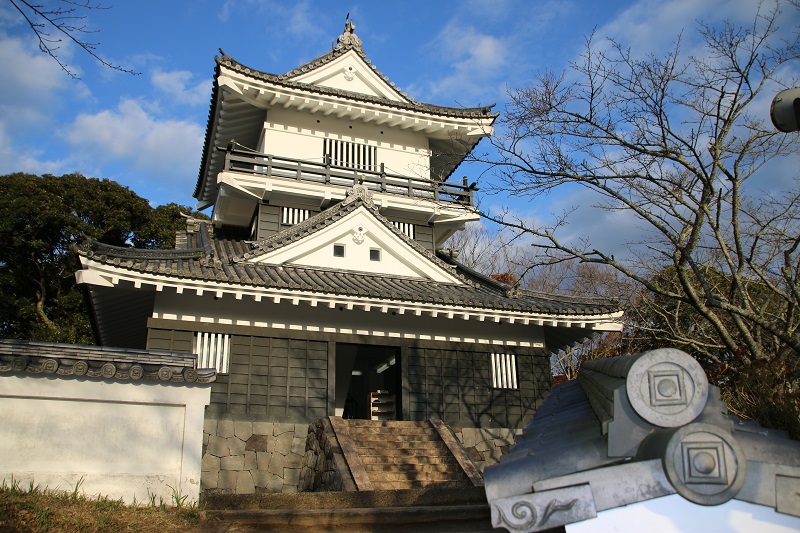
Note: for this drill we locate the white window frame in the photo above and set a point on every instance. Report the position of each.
(407, 228)
(504, 371)
(212, 350)
(294, 215)
(350, 154)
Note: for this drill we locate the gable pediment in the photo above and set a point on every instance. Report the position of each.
(359, 242)
(349, 72)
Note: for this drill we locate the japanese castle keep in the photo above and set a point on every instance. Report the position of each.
(319, 290)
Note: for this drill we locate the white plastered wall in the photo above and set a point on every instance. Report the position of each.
(117, 439)
(299, 135)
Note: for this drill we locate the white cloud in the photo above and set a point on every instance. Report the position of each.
(15, 158)
(652, 25)
(33, 91)
(179, 87)
(475, 59)
(294, 18)
(31, 84)
(131, 136)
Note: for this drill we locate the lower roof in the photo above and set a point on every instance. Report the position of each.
(211, 261)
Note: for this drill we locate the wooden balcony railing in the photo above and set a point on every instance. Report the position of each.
(243, 160)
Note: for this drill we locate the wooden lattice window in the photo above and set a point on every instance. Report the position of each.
(504, 371)
(350, 154)
(292, 215)
(212, 350)
(406, 228)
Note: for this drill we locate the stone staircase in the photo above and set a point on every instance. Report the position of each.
(394, 455)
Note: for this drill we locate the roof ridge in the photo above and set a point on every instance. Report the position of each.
(481, 111)
(336, 53)
(91, 247)
(515, 291)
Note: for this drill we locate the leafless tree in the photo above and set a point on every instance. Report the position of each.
(673, 140)
(54, 21)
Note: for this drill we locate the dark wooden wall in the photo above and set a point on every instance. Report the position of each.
(291, 380)
(456, 386)
(281, 379)
(424, 236)
(269, 221)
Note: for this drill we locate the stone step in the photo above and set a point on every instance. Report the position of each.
(407, 459)
(382, 477)
(407, 485)
(438, 450)
(346, 500)
(405, 435)
(410, 444)
(410, 466)
(474, 518)
(353, 423)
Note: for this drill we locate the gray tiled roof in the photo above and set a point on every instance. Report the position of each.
(630, 429)
(216, 258)
(50, 358)
(286, 81)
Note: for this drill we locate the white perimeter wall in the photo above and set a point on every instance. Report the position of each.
(122, 439)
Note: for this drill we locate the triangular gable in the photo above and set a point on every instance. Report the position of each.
(349, 72)
(368, 246)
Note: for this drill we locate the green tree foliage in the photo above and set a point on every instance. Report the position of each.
(40, 218)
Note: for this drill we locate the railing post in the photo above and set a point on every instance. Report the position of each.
(269, 165)
(299, 173)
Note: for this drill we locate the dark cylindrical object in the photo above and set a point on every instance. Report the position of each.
(785, 110)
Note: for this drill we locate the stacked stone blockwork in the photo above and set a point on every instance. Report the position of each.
(242, 457)
(485, 446)
(324, 462)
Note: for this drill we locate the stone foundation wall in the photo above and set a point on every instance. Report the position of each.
(486, 446)
(242, 457)
(324, 468)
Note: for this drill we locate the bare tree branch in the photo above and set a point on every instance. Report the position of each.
(674, 141)
(53, 24)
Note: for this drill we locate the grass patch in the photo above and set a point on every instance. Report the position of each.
(30, 508)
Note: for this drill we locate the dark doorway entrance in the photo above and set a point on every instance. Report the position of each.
(367, 382)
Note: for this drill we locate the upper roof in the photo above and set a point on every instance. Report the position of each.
(316, 80)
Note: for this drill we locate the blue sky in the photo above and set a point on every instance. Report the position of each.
(146, 131)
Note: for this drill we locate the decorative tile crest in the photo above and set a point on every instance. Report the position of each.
(348, 37)
(356, 192)
(359, 234)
